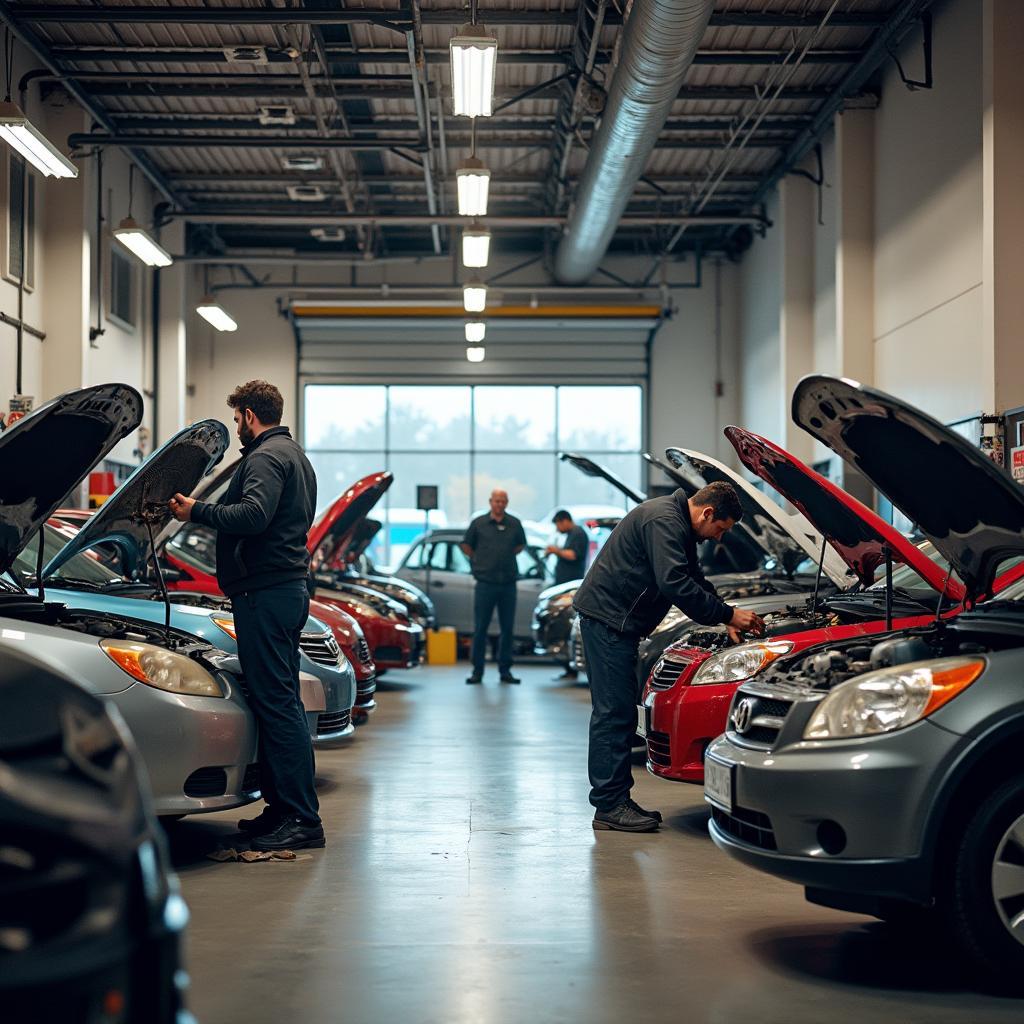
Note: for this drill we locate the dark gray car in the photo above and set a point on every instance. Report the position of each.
(884, 774)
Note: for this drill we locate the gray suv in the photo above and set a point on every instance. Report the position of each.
(884, 773)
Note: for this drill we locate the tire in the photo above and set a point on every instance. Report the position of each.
(980, 915)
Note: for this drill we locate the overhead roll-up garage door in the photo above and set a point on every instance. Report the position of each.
(424, 342)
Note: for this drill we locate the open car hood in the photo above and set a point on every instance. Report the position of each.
(790, 538)
(857, 534)
(47, 454)
(968, 507)
(683, 476)
(331, 534)
(140, 503)
(591, 468)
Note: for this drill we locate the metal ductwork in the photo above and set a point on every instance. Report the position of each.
(658, 46)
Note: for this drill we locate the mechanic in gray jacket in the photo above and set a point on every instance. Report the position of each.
(263, 566)
(648, 564)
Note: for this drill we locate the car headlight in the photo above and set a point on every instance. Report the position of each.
(891, 699)
(673, 617)
(227, 623)
(740, 662)
(156, 666)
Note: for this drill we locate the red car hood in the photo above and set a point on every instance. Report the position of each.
(969, 508)
(856, 533)
(331, 533)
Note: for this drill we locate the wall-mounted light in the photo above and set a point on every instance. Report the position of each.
(474, 297)
(137, 240)
(21, 135)
(476, 246)
(216, 315)
(475, 353)
(473, 56)
(475, 331)
(473, 181)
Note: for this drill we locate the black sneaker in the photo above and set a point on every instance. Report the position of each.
(624, 819)
(656, 815)
(509, 678)
(474, 680)
(291, 834)
(266, 821)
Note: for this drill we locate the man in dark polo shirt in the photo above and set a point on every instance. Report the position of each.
(572, 555)
(491, 544)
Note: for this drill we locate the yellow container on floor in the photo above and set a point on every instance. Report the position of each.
(441, 646)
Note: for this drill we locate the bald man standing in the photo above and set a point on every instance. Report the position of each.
(491, 544)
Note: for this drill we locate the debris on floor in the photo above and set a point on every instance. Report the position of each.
(249, 856)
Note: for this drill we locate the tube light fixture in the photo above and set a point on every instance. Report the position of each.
(473, 56)
(135, 238)
(215, 314)
(21, 135)
(475, 353)
(474, 297)
(475, 331)
(473, 181)
(476, 246)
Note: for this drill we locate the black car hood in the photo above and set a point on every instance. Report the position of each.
(968, 507)
(48, 453)
(141, 501)
(591, 468)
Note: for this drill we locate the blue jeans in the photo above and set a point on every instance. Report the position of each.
(611, 667)
(486, 598)
(268, 623)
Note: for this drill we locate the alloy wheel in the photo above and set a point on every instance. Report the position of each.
(1008, 879)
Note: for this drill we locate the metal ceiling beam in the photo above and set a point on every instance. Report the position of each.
(40, 12)
(519, 181)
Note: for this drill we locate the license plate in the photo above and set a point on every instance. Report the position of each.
(718, 783)
(641, 721)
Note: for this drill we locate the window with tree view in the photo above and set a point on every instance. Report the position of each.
(469, 440)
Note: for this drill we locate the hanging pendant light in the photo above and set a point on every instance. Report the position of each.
(473, 56)
(472, 181)
(474, 297)
(476, 246)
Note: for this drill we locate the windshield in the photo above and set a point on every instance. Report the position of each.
(81, 569)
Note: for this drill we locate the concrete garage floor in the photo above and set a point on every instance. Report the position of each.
(462, 884)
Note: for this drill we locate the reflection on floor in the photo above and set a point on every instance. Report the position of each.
(462, 884)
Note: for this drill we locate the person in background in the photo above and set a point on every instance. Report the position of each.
(571, 563)
(491, 544)
(263, 566)
(648, 564)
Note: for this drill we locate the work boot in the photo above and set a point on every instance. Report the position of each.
(656, 815)
(568, 676)
(474, 680)
(624, 818)
(509, 678)
(291, 834)
(266, 821)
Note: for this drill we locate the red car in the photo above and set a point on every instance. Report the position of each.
(687, 695)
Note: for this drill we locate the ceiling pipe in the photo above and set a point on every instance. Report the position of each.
(658, 45)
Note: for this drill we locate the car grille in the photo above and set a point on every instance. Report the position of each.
(207, 782)
(321, 648)
(251, 779)
(363, 651)
(766, 719)
(659, 750)
(750, 827)
(666, 672)
(333, 721)
(365, 689)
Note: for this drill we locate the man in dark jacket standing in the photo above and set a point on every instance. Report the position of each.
(648, 564)
(262, 565)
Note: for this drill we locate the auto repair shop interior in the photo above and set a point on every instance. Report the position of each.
(597, 255)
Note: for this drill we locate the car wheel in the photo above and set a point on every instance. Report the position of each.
(986, 888)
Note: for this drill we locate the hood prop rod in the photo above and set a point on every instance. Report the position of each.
(40, 557)
(160, 580)
(888, 586)
(817, 576)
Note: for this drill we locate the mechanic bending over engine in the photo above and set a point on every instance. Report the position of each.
(648, 564)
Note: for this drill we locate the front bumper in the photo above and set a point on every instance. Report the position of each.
(683, 722)
(199, 752)
(550, 632)
(790, 805)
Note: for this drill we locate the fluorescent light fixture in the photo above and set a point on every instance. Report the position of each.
(473, 182)
(473, 55)
(475, 331)
(476, 246)
(475, 353)
(216, 315)
(22, 136)
(138, 241)
(474, 297)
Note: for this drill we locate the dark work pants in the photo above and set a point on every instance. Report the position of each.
(268, 623)
(611, 667)
(486, 598)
